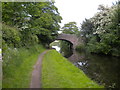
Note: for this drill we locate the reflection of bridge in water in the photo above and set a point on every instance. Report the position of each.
(75, 57)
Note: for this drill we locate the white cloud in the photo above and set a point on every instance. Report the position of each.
(78, 10)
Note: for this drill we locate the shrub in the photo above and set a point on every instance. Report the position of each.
(11, 36)
(80, 48)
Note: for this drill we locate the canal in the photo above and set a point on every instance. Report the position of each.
(102, 69)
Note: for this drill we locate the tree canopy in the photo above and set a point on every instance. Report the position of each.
(70, 28)
(102, 31)
(36, 21)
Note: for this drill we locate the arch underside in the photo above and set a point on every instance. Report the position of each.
(71, 38)
(65, 40)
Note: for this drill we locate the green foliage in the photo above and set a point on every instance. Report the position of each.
(11, 36)
(12, 13)
(57, 72)
(34, 20)
(80, 48)
(28, 39)
(70, 28)
(0, 33)
(99, 48)
(18, 65)
(103, 36)
(66, 48)
(86, 30)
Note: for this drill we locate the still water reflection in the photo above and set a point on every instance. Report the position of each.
(104, 70)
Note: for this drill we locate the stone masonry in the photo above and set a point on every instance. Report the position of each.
(72, 38)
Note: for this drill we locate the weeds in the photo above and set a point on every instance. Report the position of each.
(18, 65)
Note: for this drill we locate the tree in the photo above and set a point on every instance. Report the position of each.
(37, 21)
(86, 29)
(70, 28)
(104, 35)
(11, 36)
(45, 24)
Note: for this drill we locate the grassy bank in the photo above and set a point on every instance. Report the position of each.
(18, 66)
(58, 72)
(0, 68)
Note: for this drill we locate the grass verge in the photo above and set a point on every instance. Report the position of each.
(18, 69)
(0, 74)
(58, 72)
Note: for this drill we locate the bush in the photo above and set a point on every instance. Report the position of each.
(11, 36)
(104, 36)
(80, 48)
(99, 48)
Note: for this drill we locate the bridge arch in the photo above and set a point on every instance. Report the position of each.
(65, 40)
(72, 38)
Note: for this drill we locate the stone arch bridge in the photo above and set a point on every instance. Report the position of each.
(72, 38)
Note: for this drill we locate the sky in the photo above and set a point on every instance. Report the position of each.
(78, 10)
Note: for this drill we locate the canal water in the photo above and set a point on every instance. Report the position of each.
(105, 70)
(102, 69)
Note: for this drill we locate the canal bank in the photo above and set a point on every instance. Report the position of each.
(102, 69)
(58, 72)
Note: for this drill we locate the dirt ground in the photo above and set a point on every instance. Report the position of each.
(36, 74)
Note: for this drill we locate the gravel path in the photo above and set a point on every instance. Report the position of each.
(36, 74)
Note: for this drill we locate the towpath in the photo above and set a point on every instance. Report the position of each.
(36, 74)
